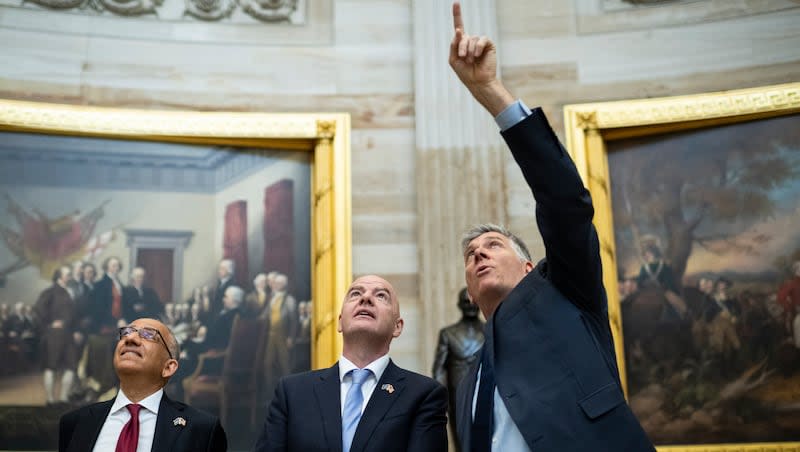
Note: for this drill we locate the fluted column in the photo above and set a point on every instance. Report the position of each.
(460, 178)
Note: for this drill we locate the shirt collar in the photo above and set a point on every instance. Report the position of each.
(150, 402)
(377, 367)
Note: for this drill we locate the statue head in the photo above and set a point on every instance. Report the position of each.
(465, 304)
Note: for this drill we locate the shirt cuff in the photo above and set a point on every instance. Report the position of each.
(513, 114)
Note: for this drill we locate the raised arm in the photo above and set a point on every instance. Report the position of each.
(563, 206)
(474, 60)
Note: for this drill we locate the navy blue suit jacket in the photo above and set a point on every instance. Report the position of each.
(305, 414)
(550, 340)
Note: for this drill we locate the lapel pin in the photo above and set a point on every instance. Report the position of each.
(179, 421)
(388, 388)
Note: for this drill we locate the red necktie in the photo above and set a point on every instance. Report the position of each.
(129, 436)
(116, 302)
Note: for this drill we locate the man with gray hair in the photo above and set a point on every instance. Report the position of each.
(219, 332)
(282, 324)
(225, 273)
(257, 299)
(547, 378)
(139, 300)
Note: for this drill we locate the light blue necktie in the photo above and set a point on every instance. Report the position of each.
(352, 407)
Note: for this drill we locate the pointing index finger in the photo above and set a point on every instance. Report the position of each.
(458, 22)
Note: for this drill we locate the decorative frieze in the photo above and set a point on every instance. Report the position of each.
(271, 11)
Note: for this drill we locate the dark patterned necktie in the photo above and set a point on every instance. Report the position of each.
(481, 437)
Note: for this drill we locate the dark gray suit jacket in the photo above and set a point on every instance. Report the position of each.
(78, 429)
(549, 340)
(305, 415)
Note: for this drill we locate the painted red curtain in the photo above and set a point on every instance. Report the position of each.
(279, 229)
(234, 241)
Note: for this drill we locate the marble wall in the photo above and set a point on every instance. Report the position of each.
(359, 56)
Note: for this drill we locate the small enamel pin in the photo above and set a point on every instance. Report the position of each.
(179, 421)
(388, 388)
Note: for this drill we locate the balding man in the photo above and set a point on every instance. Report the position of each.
(364, 402)
(141, 417)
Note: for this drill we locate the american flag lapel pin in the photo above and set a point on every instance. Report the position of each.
(388, 388)
(179, 421)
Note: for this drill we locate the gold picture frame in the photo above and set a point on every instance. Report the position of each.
(326, 136)
(589, 127)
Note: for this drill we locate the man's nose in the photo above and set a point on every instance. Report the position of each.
(132, 337)
(366, 299)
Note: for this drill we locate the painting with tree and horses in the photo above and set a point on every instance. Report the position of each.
(708, 256)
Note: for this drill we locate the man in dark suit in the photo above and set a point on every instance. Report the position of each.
(141, 415)
(547, 378)
(225, 272)
(106, 298)
(219, 331)
(364, 402)
(57, 316)
(139, 300)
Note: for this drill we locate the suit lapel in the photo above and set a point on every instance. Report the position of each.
(167, 430)
(465, 393)
(466, 389)
(328, 391)
(379, 404)
(87, 430)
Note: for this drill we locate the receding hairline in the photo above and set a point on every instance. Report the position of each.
(172, 343)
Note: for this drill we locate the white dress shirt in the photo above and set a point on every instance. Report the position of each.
(505, 434)
(377, 367)
(119, 416)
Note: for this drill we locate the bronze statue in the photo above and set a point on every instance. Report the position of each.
(458, 349)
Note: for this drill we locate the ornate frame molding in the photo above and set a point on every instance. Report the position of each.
(589, 126)
(326, 136)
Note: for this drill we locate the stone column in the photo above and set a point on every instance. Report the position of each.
(460, 162)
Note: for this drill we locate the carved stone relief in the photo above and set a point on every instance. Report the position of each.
(207, 10)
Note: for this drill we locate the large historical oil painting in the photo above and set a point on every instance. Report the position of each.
(703, 223)
(95, 232)
(708, 253)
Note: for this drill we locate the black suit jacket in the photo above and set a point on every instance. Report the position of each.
(219, 331)
(78, 429)
(136, 306)
(305, 415)
(549, 340)
(219, 294)
(100, 302)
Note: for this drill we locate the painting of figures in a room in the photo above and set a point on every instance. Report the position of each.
(708, 256)
(212, 241)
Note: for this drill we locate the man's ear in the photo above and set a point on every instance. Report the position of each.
(398, 327)
(528, 267)
(170, 367)
(339, 325)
